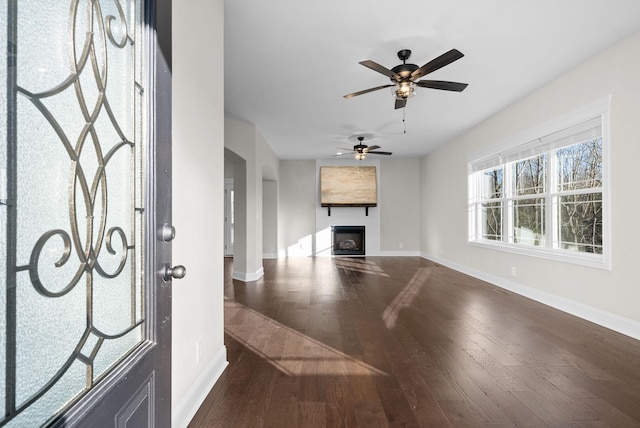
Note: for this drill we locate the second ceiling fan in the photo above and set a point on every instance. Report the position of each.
(361, 150)
(404, 77)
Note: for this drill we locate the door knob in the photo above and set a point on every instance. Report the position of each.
(176, 272)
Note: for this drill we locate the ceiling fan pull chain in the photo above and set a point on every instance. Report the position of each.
(404, 122)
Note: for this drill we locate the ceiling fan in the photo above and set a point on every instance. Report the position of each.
(404, 76)
(362, 150)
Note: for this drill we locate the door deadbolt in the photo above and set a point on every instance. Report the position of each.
(167, 232)
(176, 272)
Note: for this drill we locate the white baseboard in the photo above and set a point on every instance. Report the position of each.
(606, 319)
(186, 409)
(369, 253)
(395, 253)
(269, 255)
(248, 276)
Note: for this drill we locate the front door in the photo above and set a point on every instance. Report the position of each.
(85, 213)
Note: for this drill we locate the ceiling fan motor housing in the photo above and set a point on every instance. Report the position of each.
(404, 70)
(404, 88)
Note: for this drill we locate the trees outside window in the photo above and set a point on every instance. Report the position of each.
(546, 196)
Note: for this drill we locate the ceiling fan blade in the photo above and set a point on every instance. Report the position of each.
(441, 84)
(368, 149)
(433, 65)
(355, 94)
(343, 148)
(378, 153)
(381, 69)
(400, 103)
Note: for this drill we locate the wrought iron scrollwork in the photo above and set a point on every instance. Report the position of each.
(88, 238)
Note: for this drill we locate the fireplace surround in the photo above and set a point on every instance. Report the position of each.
(348, 240)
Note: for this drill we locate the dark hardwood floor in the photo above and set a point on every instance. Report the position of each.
(404, 342)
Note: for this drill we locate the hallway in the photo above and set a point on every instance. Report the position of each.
(404, 342)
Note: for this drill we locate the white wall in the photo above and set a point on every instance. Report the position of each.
(268, 167)
(198, 351)
(239, 137)
(269, 219)
(400, 206)
(228, 169)
(247, 143)
(607, 297)
(297, 208)
(394, 221)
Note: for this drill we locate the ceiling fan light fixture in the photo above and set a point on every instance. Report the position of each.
(360, 156)
(403, 90)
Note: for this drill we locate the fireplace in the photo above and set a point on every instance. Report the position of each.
(347, 241)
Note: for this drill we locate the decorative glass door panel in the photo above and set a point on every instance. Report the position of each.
(72, 192)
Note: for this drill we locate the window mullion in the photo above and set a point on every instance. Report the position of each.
(552, 226)
(476, 204)
(507, 206)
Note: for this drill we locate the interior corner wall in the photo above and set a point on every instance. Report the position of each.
(609, 298)
(296, 208)
(198, 351)
(268, 171)
(269, 219)
(400, 207)
(239, 137)
(246, 141)
(228, 169)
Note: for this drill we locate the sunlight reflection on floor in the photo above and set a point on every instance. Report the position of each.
(405, 297)
(360, 265)
(286, 349)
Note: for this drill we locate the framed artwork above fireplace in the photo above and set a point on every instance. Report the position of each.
(348, 186)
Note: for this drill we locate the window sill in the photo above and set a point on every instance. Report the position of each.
(598, 261)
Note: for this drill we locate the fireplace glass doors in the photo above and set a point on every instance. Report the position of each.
(348, 240)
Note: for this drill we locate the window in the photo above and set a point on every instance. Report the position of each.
(546, 197)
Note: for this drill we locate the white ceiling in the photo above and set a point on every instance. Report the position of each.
(288, 64)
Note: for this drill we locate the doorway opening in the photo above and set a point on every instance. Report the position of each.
(228, 217)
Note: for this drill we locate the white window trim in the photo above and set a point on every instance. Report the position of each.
(600, 108)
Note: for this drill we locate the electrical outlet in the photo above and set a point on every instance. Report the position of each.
(401, 245)
(514, 271)
(198, 346)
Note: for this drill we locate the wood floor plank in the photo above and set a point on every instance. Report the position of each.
(538, 384)
(311, 415)
(617, 393)
(406, 342)
(309, 384)
(254, 405)
(505, 377)
(340, 410)
(283, 403)
(398, 363)
(517, 412)
(608, 415)
(468, 390)
(551, 415)
(462, 415)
